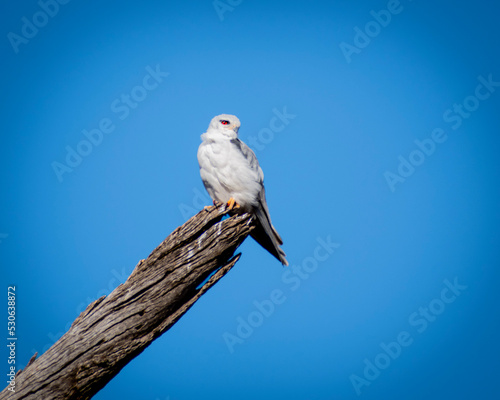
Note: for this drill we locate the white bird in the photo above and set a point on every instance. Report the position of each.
(232, 175)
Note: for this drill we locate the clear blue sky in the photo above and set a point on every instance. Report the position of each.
(385, 151)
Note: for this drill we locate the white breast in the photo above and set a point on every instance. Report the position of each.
(226, 173)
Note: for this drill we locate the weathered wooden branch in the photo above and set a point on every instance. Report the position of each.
(116, 328)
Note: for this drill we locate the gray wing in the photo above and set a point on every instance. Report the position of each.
(266, 235)
(250, 156)
(264, 232)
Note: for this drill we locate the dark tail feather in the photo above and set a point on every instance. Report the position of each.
(265, 234)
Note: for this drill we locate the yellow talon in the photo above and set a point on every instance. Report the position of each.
(232, 204)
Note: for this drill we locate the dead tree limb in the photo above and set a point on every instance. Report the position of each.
(116, 328)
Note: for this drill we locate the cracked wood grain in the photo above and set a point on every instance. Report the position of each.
(116, 328)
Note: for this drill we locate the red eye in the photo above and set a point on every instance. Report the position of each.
(224, 122)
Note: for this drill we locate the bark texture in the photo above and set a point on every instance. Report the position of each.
(116, 328)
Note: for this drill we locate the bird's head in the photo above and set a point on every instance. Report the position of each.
(226, 124)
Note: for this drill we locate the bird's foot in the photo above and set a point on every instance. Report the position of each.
(216, 204)
(232, 204)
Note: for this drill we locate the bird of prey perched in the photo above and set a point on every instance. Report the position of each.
(232, 175)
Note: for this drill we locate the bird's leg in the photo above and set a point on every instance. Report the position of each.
(232, 204)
